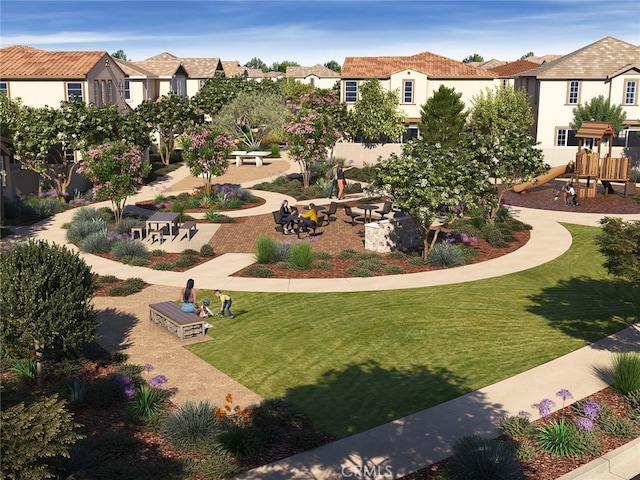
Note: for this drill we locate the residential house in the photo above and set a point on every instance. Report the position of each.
(45, 78)
(608, 67)
(40, 77)
(318, 76)
(415, 77)
(258, 75)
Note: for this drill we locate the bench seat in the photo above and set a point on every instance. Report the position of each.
(190, 228)
(170, 316)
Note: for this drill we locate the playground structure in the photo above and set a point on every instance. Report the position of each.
(592, 166)
(589, 166)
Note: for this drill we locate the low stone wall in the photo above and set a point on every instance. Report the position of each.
(397, 233)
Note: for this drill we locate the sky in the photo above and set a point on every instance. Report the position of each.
(311, 32)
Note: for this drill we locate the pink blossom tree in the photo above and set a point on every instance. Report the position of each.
(206, 151)
(313, 131)
(117, 172)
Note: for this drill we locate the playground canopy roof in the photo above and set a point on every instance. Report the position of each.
(594, 130)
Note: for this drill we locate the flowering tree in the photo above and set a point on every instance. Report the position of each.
(315, 129)
(206, 151)
(428, 179)
(116, 171)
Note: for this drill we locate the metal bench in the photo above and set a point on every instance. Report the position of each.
(189, 227)
(170, 316)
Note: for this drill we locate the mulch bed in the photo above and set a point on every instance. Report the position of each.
(546, 466)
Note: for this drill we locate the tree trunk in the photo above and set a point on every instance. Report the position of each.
(39, 370)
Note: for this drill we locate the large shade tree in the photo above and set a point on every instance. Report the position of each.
(599, 109)
(427, 179)
(502, 117)
(46, 300)
(376, 117)
(443, 118)
(168, 117)
(220, 91)
(250, 117)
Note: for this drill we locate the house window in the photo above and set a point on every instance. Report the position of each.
(147, 86)
(103, 87)
(74, 90)
(3, 88)
(110, 91)
(350, 91)
(96, 93)
(312, 82)
(120, 88)
(407, 91)
(566, 137)
(631, 92)
(202, 82)
(127, 90)
(180, 86)
(573, 96)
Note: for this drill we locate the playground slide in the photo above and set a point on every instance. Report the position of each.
(541, 179)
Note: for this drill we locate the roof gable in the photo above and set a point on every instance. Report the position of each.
(596, 61)
(318, 70)
(430, 64)
(20, 61)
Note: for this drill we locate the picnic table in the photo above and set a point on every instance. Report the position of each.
(162, 220)
(240, 155)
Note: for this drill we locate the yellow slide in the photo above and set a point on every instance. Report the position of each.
(541, 179)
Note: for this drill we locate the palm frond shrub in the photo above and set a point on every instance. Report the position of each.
(25, 369)
(147, 402)
(97, 242)
(186, 261)
(446, 254)
(192, 424)
(237, 440)
(79, 229)
(626, 372)
(563, 438)
(128, 248)
(162, 266)
(77, 392)
(206, 250)
(214, 217)
(480, 458)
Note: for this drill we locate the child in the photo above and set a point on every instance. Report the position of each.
(225, 303)
(571, 192)
(204, 311)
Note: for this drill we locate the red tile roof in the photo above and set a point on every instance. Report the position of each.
(430, 64)
(27, 62)
(513, 68)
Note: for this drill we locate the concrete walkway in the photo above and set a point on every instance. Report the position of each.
(412, 442)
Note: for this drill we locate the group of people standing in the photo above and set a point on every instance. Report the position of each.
(338, 181)
(190, 302)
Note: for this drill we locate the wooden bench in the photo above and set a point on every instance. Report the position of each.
(170, 316)
(140, 229)
(241, 155)
(190, 228)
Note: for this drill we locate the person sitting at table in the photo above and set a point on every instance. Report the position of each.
(286, 217)
(309, 218)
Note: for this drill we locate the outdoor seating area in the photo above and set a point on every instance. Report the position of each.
(164, 224)
(241, 156)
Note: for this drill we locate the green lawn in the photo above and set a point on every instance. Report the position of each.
(356, 360)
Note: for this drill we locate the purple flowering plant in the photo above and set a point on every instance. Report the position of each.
(591, 409)
(585, 424)
(545, 406)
